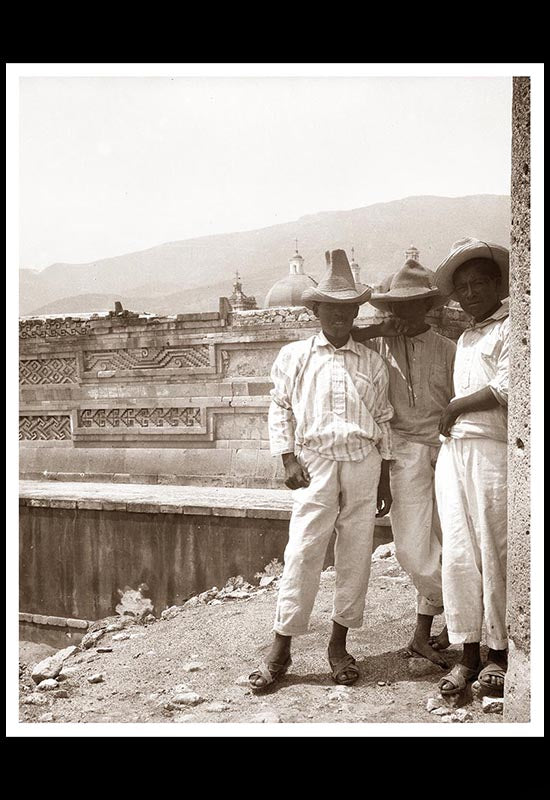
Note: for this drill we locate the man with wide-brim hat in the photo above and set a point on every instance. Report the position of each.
(471, 472)
(420, 363)
(328, 420)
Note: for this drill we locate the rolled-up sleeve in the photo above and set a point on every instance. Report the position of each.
(383, 409)
(281, 421)
(499, 384)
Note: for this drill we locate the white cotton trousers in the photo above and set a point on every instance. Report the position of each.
(341, 497)
(415, 521)
(471, 488)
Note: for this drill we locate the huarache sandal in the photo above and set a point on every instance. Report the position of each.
(269, 674)
(458, 677)
(344, 671)
(492, 670)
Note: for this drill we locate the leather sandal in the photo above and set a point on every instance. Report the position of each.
(492, 670)
(340, 668)
(458, 677)
(269, 674)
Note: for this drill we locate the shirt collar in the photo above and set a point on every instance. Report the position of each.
(501, 312)
(322, 341)
(421, 337)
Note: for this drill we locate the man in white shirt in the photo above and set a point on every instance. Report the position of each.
(420, 364)
(328, 420)
(471, 472)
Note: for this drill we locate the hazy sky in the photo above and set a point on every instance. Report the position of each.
(111, 165)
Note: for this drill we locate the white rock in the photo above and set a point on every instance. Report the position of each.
(216, 708)
(115, 626)
(119, 637)
(92, 638)
(493, 705)
(136, 636)
(47, 717)
(442, 711)
(215, 602)
(242, 680)
(99, 677)
(238, 594)
(266, 580)
(49, 683)
(433, 704)
(52, 666)
(35, 699)
(266, 716)
(384, 551)
(462, 715)
(192, 666)
(187, 699)
(193, 601)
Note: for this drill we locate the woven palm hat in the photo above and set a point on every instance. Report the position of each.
(411, 282)
(465, 250)
(337, 284)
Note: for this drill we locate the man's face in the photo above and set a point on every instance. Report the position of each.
(336, 318)
(412, 310)
(477, 293)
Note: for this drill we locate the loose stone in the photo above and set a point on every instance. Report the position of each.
(493, 705)
(46, 685)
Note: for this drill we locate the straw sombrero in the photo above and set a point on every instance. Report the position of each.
(465, 250)
(411, 282)
(337, 284)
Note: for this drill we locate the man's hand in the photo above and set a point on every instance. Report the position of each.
(384, 498)
(296, 476)
(449, 416)
(392, 326)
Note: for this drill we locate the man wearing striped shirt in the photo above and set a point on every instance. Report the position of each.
(329, 421)
(420, 364)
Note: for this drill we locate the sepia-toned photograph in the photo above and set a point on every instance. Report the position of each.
(275, 337)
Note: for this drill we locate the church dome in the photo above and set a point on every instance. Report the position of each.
(288, 291)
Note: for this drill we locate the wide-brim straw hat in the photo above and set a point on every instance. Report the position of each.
(411, 282)
(465, 250)
(337, 284)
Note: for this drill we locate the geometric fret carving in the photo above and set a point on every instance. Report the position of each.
(148, 358)
(34, 428)
(33, 328)
(139, 417)
(35, 371)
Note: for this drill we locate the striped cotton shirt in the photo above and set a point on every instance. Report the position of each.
(481, 361)
(421, 382)
(331, 400)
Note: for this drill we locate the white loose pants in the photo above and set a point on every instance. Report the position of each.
(341, 497)
(415, 521)
(471, 488)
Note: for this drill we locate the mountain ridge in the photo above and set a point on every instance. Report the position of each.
(204, 267)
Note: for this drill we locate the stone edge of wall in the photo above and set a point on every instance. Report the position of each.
(57, 622)
(135, 506)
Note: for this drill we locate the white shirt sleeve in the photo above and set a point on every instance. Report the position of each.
(281, 421)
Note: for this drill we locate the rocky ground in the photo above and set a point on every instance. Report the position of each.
(192, 665)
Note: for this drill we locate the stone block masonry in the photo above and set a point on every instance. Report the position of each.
(517, 698)
(167, 400)
(83, 543)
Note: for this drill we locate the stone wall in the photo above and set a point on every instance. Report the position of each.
(517, 705)
(124, 398)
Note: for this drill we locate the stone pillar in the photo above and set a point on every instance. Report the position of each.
(517, 687)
